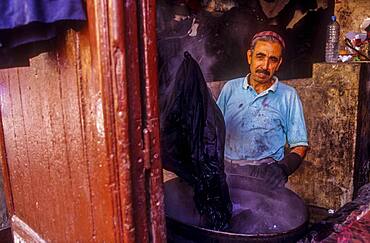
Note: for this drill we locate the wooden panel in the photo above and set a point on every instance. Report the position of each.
(56, 146)
(4, 80)
(6, 206)
(73, 132)
(49, 149)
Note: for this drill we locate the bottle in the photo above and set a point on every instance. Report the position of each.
(332, 40)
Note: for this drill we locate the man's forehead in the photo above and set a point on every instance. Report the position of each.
(274, 44)
(265, 47)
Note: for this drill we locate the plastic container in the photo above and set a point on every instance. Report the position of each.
(332, 40)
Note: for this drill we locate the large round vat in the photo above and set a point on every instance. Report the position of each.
(259, 215)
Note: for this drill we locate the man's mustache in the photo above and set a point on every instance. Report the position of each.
(266, 72)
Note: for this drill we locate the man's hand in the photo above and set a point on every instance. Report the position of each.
(275, 176)
(293, 160)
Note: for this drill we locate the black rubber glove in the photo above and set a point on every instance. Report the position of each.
(290, 163)
(275, 175)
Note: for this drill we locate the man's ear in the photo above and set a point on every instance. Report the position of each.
(281, 61)
(249, 56)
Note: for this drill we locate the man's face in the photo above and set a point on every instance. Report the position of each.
(264, 60)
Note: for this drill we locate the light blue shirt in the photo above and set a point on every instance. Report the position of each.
(259, 125)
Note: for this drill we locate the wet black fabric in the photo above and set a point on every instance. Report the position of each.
(193, 138)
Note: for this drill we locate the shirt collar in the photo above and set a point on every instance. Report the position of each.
(273, 87)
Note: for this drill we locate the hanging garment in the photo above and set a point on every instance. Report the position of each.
(193, 138)
(15, 13)
(27, 24)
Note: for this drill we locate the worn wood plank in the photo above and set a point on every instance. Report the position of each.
(84, 76)
(33, 126)
(136, 122)
(46, 65)
(5, 167)
(21, 156)
(80, 198)
(50, 194)
(97, 128)
(68, 189)
(121, 111)
(11, 145)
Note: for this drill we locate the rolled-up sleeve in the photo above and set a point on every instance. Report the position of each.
(222, 98)
(296, 126)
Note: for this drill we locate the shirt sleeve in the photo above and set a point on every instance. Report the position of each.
(296, 126)
(222, 98)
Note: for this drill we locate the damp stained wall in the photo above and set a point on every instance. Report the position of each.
(332, 101)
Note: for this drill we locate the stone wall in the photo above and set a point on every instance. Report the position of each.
(330, 101)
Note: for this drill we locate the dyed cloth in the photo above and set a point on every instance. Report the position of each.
(193, 138)
(24, 23)
(355, 229)
(259, 125)
(350, 223)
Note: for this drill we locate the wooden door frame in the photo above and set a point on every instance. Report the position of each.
(133, 65)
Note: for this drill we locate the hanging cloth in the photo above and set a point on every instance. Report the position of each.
(193, 139)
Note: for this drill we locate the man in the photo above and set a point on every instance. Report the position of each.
(262, 115)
